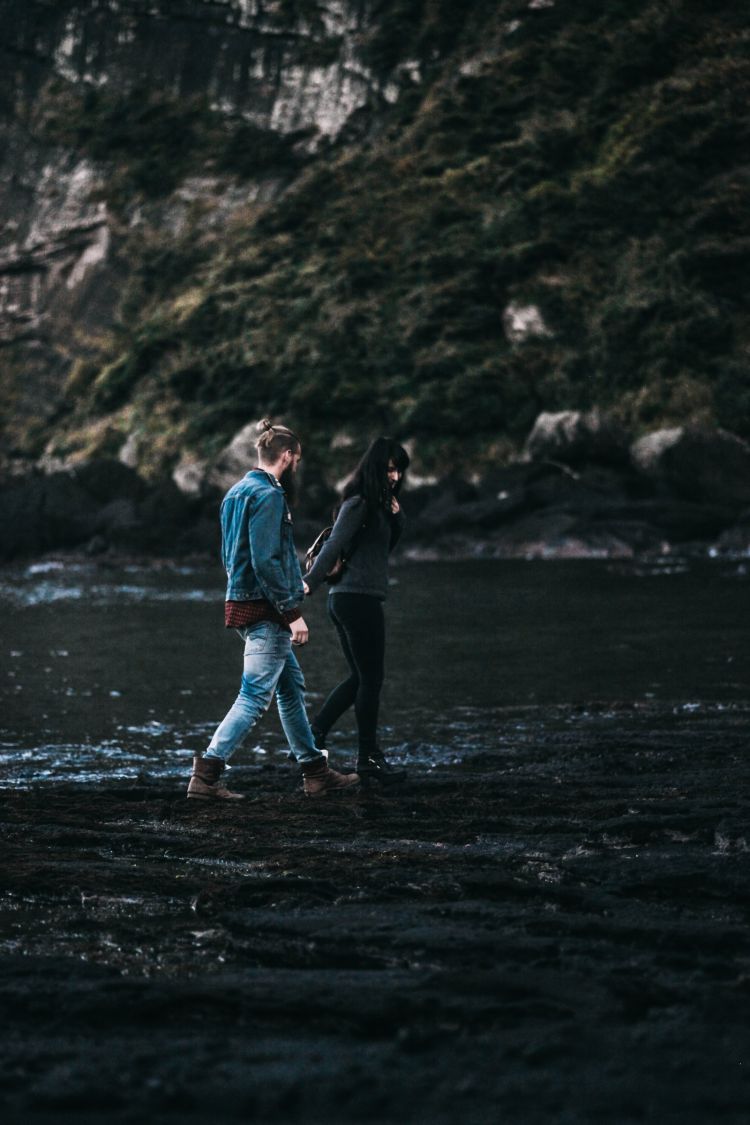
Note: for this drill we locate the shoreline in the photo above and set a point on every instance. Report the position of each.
(466, 551)
(529, 509)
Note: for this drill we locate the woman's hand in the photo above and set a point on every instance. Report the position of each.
(305, 587)
(395, 506)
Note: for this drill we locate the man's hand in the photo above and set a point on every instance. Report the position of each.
(395, 506)
(300, 633)
(305, 587)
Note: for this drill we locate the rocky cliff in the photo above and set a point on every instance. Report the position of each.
(128, 129)
(361, 214)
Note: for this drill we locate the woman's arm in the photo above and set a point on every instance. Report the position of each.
(348, 522)
(397, 523)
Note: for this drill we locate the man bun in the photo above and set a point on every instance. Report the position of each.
(273, 440)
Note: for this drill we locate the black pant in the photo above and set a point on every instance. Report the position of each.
(360, 624)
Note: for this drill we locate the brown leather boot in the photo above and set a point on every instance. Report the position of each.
(204, 783)
(319, 779)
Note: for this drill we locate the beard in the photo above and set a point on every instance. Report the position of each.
(289, 484)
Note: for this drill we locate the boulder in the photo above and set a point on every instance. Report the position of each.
(432, 506)
(735, 540)
(647, 452)
(557, 534)
(704, 466)
(555, 485)
(190, 475)
(100, 503)
(40, 512)
(235, 459)
(107, 480)
(577, 437)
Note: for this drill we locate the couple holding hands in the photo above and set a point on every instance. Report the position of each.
(265, 591)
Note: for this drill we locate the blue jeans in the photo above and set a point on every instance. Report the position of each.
(269, 666)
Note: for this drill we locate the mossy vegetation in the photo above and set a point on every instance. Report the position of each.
(585, 159)
(150, 141)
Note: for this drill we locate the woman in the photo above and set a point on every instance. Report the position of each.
(368, 526)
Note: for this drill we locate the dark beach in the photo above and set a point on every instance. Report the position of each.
(547, 923)
(515, 235)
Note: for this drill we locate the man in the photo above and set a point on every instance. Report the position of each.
(264, 591)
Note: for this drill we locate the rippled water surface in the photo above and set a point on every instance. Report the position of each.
(114, 672)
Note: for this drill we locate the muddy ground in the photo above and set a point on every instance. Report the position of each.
(558, 936)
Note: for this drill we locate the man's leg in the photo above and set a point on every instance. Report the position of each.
(319, 779)
(290, 700)
(268, 659)
(262, 666)
(263, 663)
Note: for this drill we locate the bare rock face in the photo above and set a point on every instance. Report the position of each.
(53, 248)
(524, 321)
(575, 437)
(286, 70)
(706, 466)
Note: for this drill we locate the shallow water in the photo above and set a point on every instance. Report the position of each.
(114, 672)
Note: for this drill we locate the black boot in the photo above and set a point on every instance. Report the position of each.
(318, 737)
(372, 765)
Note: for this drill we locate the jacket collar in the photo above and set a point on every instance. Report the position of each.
(267, 475)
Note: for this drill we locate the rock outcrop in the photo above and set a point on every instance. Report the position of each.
(577, 437)
(275, 74)
(235, 460)
(96, 507)
(374, 217)
(575, 494)
(705, 466)
(531, 509)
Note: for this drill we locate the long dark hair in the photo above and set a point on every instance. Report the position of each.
(370, 478)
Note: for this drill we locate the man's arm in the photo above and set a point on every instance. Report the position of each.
(265, 550)
(299, 630)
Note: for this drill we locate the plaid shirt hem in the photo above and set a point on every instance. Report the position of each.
(239, 615)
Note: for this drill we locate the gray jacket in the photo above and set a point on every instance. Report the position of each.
(366, 572)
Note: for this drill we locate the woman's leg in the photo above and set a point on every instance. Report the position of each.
(361, 623)
(342, 697)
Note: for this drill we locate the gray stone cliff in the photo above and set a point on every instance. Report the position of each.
(290, 69)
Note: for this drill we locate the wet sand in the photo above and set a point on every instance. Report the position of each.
(558, 934)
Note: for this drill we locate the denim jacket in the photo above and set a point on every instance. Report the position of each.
(257, 545)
